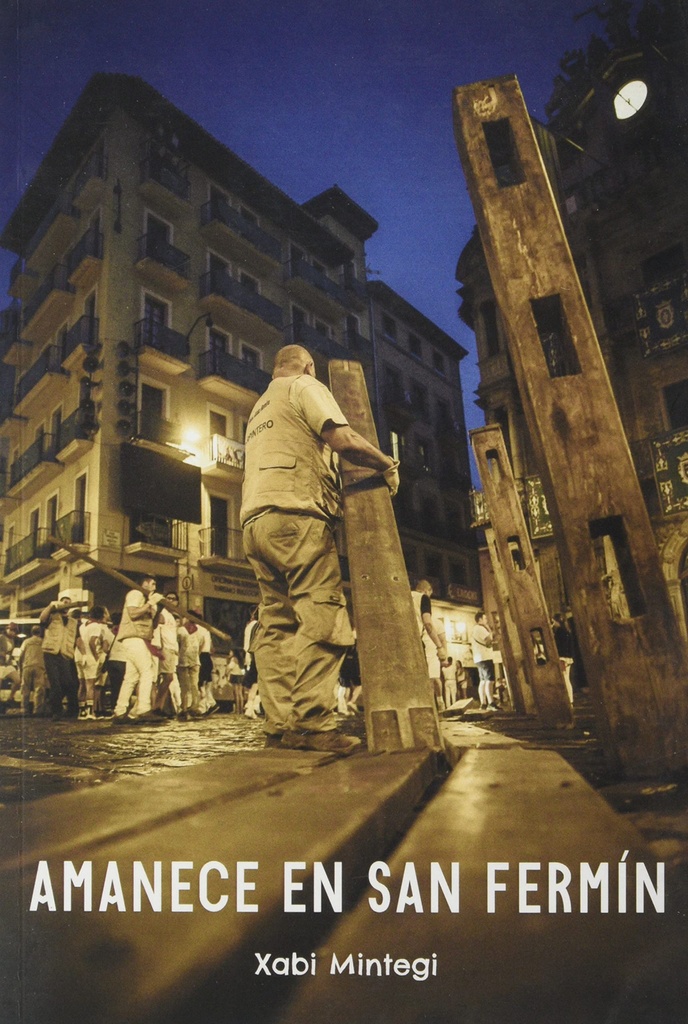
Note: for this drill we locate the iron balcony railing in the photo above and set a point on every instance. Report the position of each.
(357, 345)
(314, 340)
(70, 430)
(95, 167)
(4, 477)
(83, 332)
(215, 363)
(220, 542)
(150, 247)
(73, 528)
(57, 280)
(160, 168)
(35, 545)
(42, 450)
(218, 282)
(49, 361)
(226, 452)
(159, 531)
(149, 333)
(62, 205)
(218, 209)
(90, 244)
(9, 328)
(152, 427)
(301, 269)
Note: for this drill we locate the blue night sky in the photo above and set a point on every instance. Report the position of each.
(311, 93)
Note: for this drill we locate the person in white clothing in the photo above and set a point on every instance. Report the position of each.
(208, 705)
(189, 666)
(169, 658)
(94, 640)
(135, 638)
(481, 645)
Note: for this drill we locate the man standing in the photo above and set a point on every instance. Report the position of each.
(8, 669)
(291, 502)
(135, 634)
(481, 645)
(434, 643)
(59, 637)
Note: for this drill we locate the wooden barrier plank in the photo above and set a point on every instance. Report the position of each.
(126, 966)
(68, 823)
(517, 807)
(400, 708)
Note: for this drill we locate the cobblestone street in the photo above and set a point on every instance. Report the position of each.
(40, 757)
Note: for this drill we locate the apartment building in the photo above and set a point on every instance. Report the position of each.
(157, 276)
(615, 148)
(421, 421)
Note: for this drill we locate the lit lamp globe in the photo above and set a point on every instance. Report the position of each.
(630, 99)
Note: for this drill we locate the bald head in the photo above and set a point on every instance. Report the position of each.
(292, 360)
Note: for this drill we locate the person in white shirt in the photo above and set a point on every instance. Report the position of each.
(481, 645)
(94, 640)
(189, 666)
(168, 626)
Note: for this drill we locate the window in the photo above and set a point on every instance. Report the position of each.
(433, 564)
(322, 328)
(488, 318)
(424, 454)
(248, 282)
(444, 420)
(51, 514)
(457, 573)
(34, 521)
(217, 341)
(152, 410)
(415, 346)
(419, 400)
(217, 423)
(389, 327)
(250, 355)
(80, 493)
(676, 404)
(248, 215)
(154, 311)
(438, 362)
(396, 443)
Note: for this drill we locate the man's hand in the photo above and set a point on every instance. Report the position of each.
(155, 599)
(391, 477)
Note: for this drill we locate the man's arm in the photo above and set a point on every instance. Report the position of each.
(348, 443)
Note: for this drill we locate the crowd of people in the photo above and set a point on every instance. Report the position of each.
(144, 666)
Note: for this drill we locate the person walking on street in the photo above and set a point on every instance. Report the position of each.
(134, 641)
(59, 638)
(482, 640)
(290, 505)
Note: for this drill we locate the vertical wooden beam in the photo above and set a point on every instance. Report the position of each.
(514, 563)
(400, 710)
(512, 652)
(635, 658)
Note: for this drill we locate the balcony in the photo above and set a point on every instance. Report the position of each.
(73, 529)
(355, 289)
(398, 407)
(50, 306)
(479, 513)
(360, 348)
(219, 546)
(29, 559)
(661, 316)
(315, 288)
(81, 336)
(86, 259)
(495, 370)
(72, 440)
(54, 234)
(610, 183)
(225, 458)
(89, 186)
(239, 237)
(13, 350)
(231, 378)
(314, 341)
(34, 467)
(22, 281)
(160, 349)
(164, 181)
(157, 537)
(669, 458)
(39, 377)
(248, 311)
(157, 433)
(161, 264)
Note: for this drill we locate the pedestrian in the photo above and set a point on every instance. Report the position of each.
(33, 675)
(8, 668)
(252, 707)
(236, 679)
(60, 625)
(482, 640)
(135, 636)
(207, 705)
(462, 681)
(564, 645)
(432, 638)
(189, 667)
(94, 640)
(169, 687)
(291, 503)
